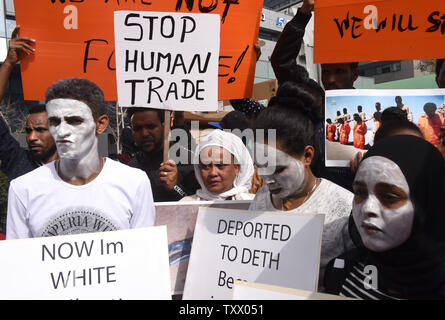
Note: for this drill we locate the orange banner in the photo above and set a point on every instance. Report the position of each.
(379, 30)
(75, 38)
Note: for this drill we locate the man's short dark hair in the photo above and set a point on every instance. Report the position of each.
(391, 127)
(353, 65)
(131, 111)
(393, 113)
(429, 107)
(79, 89)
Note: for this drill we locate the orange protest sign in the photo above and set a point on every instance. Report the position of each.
(360, 30)
(75, 38)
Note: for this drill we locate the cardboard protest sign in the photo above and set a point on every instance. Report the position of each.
(180, 219)
(362, 30)
(76, 39)
(126, 264)
(342, 146)
(173, 69)
(257, 291)
(267, 247)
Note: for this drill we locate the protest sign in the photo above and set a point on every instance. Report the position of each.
(126, 264)
(180, 219)
(257, 291)
(76, 39)
(173, 69)
(265, 247)
(341, 147)
(363, 30)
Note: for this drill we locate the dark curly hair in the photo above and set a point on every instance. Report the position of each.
(295, 114)
(79, 89)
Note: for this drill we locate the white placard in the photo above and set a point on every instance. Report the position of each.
(125, 264)
(256, 291)
(167, 60)
(265, 247)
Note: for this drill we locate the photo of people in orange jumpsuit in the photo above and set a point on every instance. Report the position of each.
(345, 129)
(430, 124)
(331, 128)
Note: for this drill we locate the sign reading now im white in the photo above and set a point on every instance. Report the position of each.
(125, 264)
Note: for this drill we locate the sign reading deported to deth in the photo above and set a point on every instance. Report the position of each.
(365, 30)
(174, 68)
(76, 39)
(267, 247)
(125, 264)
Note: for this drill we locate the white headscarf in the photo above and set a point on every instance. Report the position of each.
(236, 147)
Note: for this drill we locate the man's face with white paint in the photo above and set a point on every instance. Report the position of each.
(72, 126)
(283, 174)
(382, 209)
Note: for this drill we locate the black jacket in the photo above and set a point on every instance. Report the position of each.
(15, 160)
(150, 163)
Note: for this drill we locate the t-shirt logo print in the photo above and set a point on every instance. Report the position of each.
(75, 221)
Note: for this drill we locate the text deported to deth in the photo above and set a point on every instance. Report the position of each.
(253, 256)
(154, 88)
(84, 277)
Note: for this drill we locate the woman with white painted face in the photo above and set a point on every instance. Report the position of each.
(285, 166)
(397, 224)
(223, 168)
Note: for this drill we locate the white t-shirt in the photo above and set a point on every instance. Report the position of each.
(41, 204)
(329, 199)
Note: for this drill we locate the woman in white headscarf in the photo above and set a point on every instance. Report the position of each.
(223, 168)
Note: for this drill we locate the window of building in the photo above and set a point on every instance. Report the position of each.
(10, 25)
(2, 22)
(381, 69)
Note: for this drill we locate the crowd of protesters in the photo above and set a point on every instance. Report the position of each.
(385, 210)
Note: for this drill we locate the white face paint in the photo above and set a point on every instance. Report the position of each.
(284, 175)
(73, 128)
(382, 209)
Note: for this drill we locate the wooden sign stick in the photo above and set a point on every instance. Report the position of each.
(166, 134)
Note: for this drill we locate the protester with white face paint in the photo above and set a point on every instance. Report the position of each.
(397, 225)
(223, 168)
(290, 184)
(81, 192)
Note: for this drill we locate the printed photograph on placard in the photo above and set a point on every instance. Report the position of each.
(180, 219)
(353, 117)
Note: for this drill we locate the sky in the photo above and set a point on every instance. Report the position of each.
(414, 103)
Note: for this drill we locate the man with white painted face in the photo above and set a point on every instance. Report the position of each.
(82, 192)
(285, 166)
(396, 224)
(16, 161)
